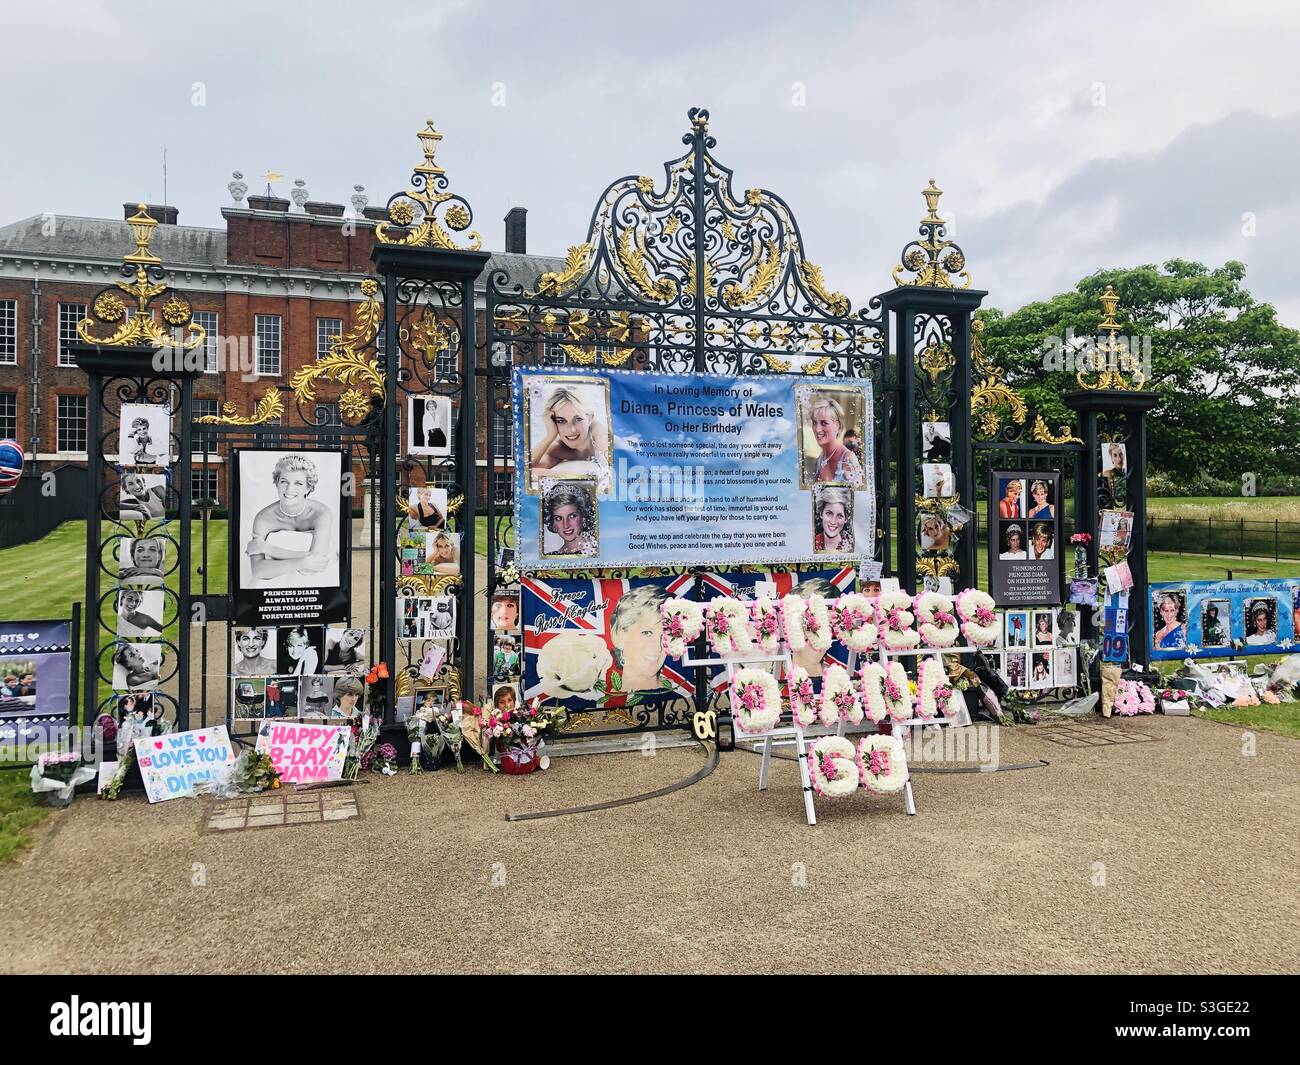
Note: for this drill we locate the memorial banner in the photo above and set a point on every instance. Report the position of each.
(599, 642)
(171, 764)
(35, 670)
(626, 468)
(1025, 553)
(1214, 619)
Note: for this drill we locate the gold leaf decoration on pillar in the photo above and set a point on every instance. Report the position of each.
(935, 261)
(1113, 360)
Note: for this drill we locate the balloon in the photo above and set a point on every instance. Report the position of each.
(11, 465)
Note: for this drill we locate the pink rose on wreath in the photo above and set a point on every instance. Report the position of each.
(879, 763)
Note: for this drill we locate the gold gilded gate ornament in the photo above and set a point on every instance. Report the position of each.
(936, 261)
(427, 200)
(140, 329)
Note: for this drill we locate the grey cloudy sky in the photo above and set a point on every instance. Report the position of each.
(1067, 137)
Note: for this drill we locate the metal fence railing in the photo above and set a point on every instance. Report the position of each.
(1237, 537)
(40, 502)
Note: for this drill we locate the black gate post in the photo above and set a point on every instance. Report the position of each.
(1129, 408)
(431, 279)
(936, 304)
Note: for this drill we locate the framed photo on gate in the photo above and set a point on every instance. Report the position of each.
(291, 532)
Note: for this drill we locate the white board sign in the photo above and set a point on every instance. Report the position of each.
(173, 763)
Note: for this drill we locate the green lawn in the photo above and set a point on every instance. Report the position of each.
(1283, 718)
(19, 811)
(1252, 508)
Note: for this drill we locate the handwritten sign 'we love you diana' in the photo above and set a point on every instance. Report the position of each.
(173, 763)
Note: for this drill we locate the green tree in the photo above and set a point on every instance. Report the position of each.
(1227, 371)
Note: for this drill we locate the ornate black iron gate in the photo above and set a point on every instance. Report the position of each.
(686, 278)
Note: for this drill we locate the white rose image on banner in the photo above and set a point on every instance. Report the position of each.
(571, 663)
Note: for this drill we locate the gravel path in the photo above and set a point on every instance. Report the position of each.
(1201, 848)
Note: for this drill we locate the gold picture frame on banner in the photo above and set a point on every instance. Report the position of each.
(832, 459)
(582, 447)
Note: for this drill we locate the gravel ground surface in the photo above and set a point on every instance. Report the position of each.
(1200, 845)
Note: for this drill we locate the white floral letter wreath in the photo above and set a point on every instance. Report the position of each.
(852, 621)
(727, 622)
(934, 694)
(979, 619)
(838, 698)
(871, 687)
(807, 622)
(832, 765)
(898, 697)
(936, 620)
(755, 700)
(882, 764)
(683, 622)
(765, 625)
(895, 618)
(803, 700)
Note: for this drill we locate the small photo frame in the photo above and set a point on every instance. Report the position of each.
(1116, 532)
(142, 496)
(1040, 669)
(442, 553)
(1169, 619)
(831, 431)
(1216, 623)
(1114, 460)
(299, 649)
(142, 560)
(137, 666)
(1067, 627)
(1017, 666)
(933, 532)
(140, 612)
(937, 480)
(566, 423)
(1044, 633)
(426, 508)
(505, 611)
(248, 697)
(1017, 629)
(144, 435)
(345, 650)
(316, 695)
(570, 519)
(282, 696)
(507, 657)
(832, 519)
(505, 697)
(1065, 667)
(1259, 621)
(428, 426)
(936, 441)
(255, 652)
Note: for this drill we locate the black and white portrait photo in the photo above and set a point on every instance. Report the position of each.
(142, 496)
(142, 560)
(137, 666)
(428, 426)
(291, 517)
(254, 652)
(299, 650)
(144, 435)
(345, 650)
(139, 612)
(936, 441)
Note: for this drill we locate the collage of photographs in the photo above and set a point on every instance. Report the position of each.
(506, 667)
(143, 559)
(1039, 649)
(1241, 620)
(425, 546)
(832, 431)
(298, 671)
(1027, 519)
